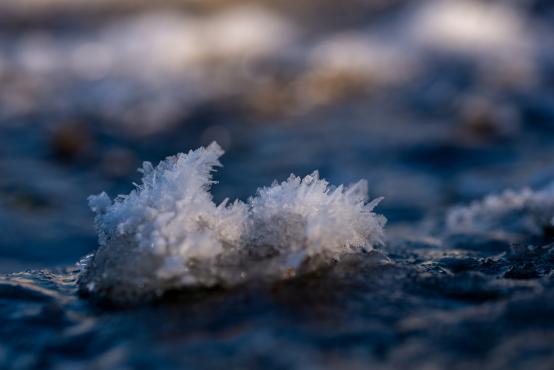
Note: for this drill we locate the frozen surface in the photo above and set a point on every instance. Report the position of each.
(169, 234)
(412, 311)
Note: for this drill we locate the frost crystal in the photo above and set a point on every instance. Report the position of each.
(169, 234)
(522, 212)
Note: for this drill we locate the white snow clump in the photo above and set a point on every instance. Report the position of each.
(524, 212)
(169, 234)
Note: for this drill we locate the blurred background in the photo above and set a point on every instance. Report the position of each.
(434, 102)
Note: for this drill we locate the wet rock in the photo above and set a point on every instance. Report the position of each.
(522, 271)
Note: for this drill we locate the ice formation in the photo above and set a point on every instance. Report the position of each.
(525, 212)
(169, 234)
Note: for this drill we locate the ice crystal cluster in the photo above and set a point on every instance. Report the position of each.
(169, 234)
(525, 212)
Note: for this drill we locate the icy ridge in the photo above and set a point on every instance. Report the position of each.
(169, 234)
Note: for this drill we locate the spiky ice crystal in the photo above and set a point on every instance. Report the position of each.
(169, 234)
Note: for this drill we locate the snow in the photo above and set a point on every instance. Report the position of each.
(528, 212)
(169, 234)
